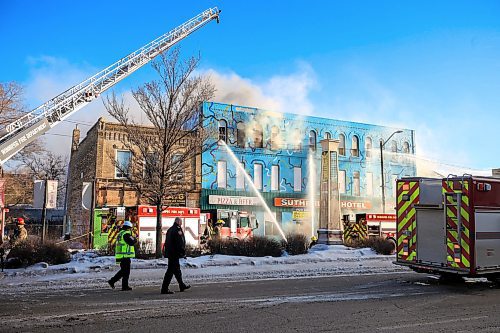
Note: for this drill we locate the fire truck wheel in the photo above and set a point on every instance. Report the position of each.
(494, 278)
(450, 278)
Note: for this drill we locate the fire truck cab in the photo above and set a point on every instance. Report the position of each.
(237, 224)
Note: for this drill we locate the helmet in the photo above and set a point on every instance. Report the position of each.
(314, 238)
(220, 222)
(20, 221)
(127, 224)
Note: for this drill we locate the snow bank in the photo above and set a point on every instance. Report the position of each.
(88, 269)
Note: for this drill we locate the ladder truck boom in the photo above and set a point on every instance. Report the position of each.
(32, 125)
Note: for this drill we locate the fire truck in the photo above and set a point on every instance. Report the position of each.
(370, 225)
(235, 223)
(449, 226)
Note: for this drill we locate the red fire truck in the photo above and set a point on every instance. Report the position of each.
(449, 226)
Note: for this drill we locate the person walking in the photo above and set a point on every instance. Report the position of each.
(124, 252)
(174, 249)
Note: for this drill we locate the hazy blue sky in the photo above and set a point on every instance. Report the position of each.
(432, 66)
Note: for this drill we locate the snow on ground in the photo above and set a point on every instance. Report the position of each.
(88, 270)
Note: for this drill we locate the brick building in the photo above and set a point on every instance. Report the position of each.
(93, 160)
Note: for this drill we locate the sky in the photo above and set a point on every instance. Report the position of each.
(431, 66)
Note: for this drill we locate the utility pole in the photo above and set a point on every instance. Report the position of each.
(44, 210)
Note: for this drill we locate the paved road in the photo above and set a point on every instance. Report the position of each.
(401, 302)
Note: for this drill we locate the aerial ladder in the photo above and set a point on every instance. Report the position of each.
(24, 130)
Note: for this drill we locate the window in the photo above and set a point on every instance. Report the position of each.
(257, 176)
(275, 132)
(394, 150)
(342, 144)
(328, 135)
(355, 146)
(297, 179)
(258, 136)
(369, 183)
(222, 174)
(355, 183)
(240, 177)
(394, 146)
(223, 130)
(296, 139)
(275, 178)
(312, 140)
(122, 166)
(368, 147)
(406, 147)
(176, 169)
(241, 136)
(342, 181)
(150, 166)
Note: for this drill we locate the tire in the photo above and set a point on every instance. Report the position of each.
(450, 278)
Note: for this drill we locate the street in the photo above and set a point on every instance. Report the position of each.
(391, 302)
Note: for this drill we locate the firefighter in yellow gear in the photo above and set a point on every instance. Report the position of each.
(314, 241)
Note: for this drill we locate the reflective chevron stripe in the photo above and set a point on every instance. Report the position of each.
(408, 194)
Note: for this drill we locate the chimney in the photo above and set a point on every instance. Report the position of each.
(76, 139)
(495, 173)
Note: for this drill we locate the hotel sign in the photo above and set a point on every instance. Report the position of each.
(233, 200)
(348, 204)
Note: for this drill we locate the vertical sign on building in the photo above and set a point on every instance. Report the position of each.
(330, 231)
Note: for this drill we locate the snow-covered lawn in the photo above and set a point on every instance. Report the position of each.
(88, 270)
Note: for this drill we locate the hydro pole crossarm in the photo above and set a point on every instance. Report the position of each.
(30, 126)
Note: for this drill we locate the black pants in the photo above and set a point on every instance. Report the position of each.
(123, 273)
(174, 269)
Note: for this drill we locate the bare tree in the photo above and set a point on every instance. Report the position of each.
(12, 107)
(46, 165)
(162, 152)
(11, 102)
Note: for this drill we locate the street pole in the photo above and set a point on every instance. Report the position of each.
(382, 175)
(44, 210)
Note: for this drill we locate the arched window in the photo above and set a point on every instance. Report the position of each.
(241, 137)
(312, 140)
(275, 138)
(223, 130)
(258, 136)
(394, 150)
(328, 135)
(394, 146)
(406, 147)
(355, 146)
(368, 147)
(296, 139)
(342, 144)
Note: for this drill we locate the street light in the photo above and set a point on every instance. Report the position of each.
(382, 144)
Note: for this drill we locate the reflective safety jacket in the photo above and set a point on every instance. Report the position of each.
(123, 250)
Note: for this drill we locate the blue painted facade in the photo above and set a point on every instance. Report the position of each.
(284, 144)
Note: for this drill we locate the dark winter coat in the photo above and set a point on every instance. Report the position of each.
(175, 243)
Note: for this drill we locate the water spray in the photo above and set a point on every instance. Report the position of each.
(254, 188)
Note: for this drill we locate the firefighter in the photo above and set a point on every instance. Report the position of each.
(218, 228)
(174, 249)
(124, 252)
(20, 233)
(208, 233)
(314, 241)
